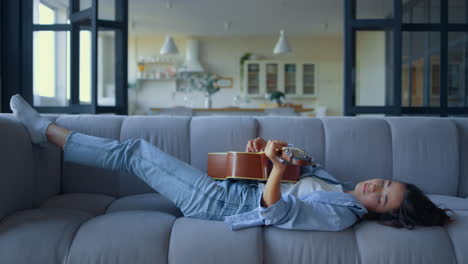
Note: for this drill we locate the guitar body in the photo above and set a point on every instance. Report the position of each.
(246, 165)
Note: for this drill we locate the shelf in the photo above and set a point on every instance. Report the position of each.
(161, 79)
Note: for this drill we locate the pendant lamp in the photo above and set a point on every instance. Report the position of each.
(282, 46)
(169, 47)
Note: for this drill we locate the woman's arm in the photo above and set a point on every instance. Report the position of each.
(272, 191)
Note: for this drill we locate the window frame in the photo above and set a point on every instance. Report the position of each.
(79, 19)
(396, 25)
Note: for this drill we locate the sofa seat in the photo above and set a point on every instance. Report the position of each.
(97, 204)
(146, 201)
(43, 235)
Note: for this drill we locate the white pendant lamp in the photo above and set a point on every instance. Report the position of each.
(168, 47)
(282, 46)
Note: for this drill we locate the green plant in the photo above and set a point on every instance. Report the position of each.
(278, 97)
(205, 82)
(244, 57)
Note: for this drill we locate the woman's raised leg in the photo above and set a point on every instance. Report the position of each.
(192, 190)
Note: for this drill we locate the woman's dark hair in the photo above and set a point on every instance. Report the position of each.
(415, 209)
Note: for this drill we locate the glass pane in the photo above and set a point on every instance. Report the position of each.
(106, 9)
(457, 11)
(405, 84)
(85, 4)
(374, 9)
(272, 77)
(290, 78)
(253, 78)
(106, 68)
(421, 69)
(50, 12)
(457, 71)
(308, 78)
(85, 67)
(422, 11)
(374, 65)
(51, 69)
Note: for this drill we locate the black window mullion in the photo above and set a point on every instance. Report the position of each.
(397, 49)
(81, 16)
(27, 54)
(74, 57)
(443, 57)
(465, 60)
(53, 27)
(94, 53)
(349, 54)
(121, 61)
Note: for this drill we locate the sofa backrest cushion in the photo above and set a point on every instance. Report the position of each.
(462, 127)
(170, 134)
(426, 151)
(219, 134)
(78, 178)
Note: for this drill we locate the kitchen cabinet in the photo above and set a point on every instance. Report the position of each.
(295, 79)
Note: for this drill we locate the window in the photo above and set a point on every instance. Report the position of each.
(422, 60)
(74, 69)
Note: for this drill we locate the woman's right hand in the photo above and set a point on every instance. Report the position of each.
(256, 145)
(272, 151)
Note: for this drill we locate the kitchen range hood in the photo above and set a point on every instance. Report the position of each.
(191, 63)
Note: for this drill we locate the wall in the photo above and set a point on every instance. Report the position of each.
(221, 55)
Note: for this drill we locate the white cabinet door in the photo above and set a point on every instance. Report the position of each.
(252, 78)
(295, 79)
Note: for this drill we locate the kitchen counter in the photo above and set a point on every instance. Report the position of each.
(227, 111)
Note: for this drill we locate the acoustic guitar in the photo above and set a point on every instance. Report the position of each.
(256, 165)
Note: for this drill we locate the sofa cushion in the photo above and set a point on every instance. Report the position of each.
(286, 246)
(425, 153)
(450, 202)
(358, 149)
(17, 181)
(383, 244)
(202, 241)
(135, 237)
(170, 134)
(93, 204)
(146, 202)
(218, 134)
(462, 127)
(39, 235)
(303, 132)
(83, 179)
(458, 232)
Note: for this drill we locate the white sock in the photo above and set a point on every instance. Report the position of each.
(30, 118)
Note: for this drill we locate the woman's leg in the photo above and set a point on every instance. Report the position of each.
(192, 190)
(57, 135)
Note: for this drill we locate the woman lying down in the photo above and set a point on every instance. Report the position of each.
(318, 201)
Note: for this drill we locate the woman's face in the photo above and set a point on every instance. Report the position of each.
(379, 195)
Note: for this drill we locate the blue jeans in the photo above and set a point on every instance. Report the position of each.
(195, 193)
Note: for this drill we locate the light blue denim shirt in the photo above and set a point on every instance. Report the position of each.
(319, 210)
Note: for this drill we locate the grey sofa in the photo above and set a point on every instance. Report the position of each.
(55, 212)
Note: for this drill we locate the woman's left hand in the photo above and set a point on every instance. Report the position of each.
(256, 145)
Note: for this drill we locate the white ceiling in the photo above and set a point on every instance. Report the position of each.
(246, 17)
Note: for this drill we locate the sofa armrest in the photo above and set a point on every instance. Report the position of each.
(16, 164)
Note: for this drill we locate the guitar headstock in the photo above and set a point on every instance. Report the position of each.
(295, 156)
